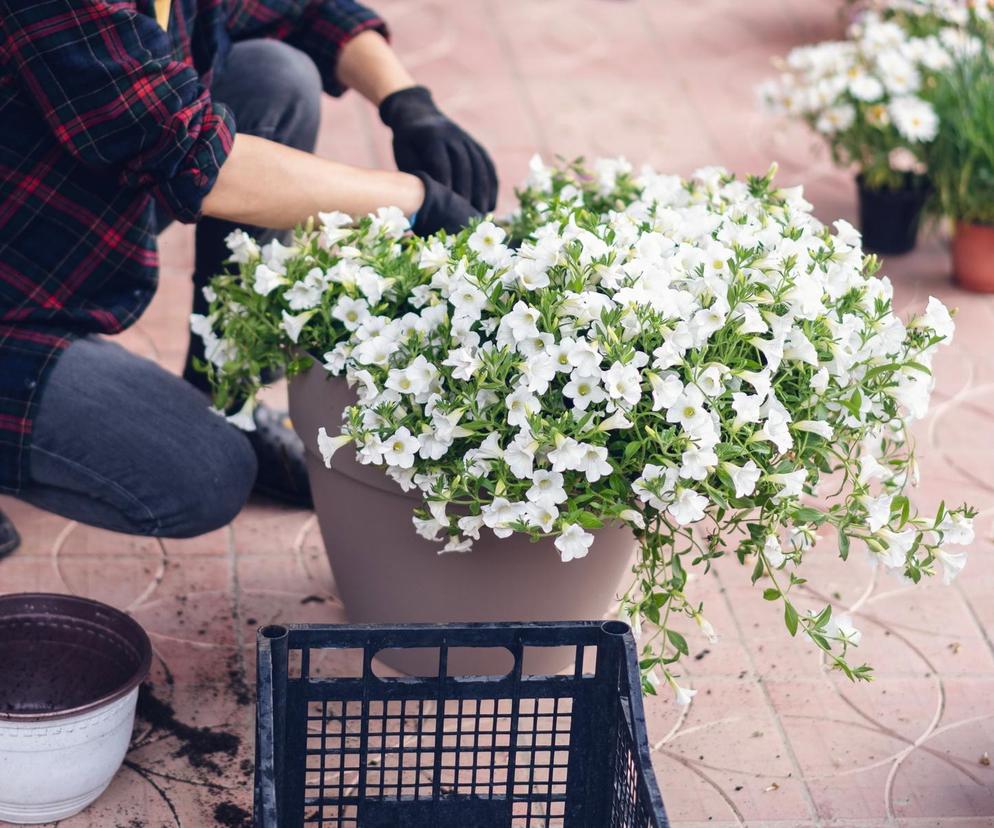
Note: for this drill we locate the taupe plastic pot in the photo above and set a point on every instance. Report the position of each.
(386, 573)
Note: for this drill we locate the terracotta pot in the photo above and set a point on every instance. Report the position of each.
(973, 257)
(889, 218)
(386, 573)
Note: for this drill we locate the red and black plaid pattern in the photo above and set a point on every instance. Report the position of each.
(102, 111)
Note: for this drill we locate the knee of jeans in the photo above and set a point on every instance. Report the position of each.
(214, 491)
(291, 81)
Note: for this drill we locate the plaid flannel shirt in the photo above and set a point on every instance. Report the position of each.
(102, 112)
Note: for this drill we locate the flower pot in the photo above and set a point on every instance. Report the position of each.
(889, 218)
(68, 690)
(386, 573)
(973, 257)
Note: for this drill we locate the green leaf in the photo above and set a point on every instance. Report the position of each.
(808, 515)
(771, 594)
(678, 641)
(758, 570)
(823, 617)
(843, 545)
(588, 520)
(790, 618)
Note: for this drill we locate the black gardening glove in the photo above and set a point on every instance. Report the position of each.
(442, 209)
(425, 139)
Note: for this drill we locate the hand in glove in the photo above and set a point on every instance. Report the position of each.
(442, 209)
(426, 140)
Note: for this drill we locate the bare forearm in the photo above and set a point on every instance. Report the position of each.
(368, 65)
(265, 184)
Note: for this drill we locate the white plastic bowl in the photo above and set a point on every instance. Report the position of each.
(68, 692)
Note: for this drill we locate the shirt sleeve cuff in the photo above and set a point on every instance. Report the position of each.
(332, 85)
(184, 193)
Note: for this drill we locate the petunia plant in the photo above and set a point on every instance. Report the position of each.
(700, 360)
(871, 96)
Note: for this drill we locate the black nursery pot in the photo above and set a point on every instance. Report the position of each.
(889, 218)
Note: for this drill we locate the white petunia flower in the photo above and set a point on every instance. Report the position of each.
(819, 427)
(773, 552)
(520, 456)
(500, 514)
(242, 246)
(567, 454)
(464, 362)
(688, 507)
(841, 627)
(294, 324)
(520, 405)
(583, 391)
(747, 408)
(744, 477)
(957, 530)
(547, 486)
(688, 410)
(488, 242)
(594, 463)
(390, 221)
(573, 542)
(399, 449)
(329, 445)
(683, 695)
(351, 312)
(937, 318)
(878, 511)
(776, 430)
(266, 280)
(952, 564)
(895, 556)
(244, 419)
(791, 483)
(622, 382)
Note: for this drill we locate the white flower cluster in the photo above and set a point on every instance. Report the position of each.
(868, 95)
(701, 352)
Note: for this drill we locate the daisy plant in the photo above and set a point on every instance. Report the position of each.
(871, 96)
(700, 360)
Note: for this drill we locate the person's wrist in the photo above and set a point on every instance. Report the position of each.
(411, 193)
(406, 103)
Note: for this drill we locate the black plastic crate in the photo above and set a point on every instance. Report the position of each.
(513, 751)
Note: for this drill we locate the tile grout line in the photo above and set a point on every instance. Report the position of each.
(236, 601)
(788, 747)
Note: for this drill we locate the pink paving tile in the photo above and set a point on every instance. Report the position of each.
(852, 742)
(719, 739)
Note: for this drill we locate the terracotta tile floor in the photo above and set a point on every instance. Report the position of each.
(771, 739)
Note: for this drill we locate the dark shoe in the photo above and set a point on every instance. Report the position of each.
(9, 539)
(280, 452)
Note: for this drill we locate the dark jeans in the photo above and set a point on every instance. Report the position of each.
(119, 442)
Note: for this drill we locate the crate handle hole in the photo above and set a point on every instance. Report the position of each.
(273, 631)
(482, 662)
(421, 662)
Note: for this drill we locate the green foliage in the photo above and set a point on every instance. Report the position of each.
(961, 159)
